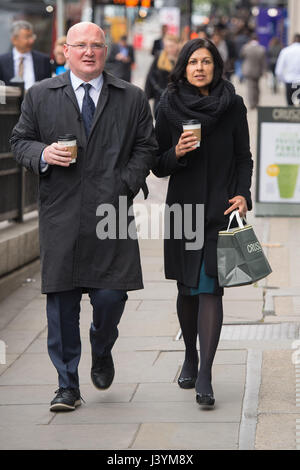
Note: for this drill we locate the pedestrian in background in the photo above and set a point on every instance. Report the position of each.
(288, 68)
(23, 63)
(226, 49)
(253, 68)
(216, 175)
(59, 63)
(158, 44)
(241, 38)
(112, 123)
(120, 60)
(202, 33)
(163, 64)
(273, 51)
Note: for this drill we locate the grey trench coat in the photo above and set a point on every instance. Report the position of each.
(113, 162)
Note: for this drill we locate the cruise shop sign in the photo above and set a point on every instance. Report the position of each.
(278, 162)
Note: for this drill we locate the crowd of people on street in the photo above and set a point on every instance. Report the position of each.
(85, 97)
(242, 56)
(239, 48)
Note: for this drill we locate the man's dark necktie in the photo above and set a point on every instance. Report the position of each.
(88, 108)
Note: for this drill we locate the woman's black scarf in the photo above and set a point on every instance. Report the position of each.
(187, 103)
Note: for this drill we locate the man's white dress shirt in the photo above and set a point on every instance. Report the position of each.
(28, 75)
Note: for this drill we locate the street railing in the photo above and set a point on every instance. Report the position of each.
(18, 187)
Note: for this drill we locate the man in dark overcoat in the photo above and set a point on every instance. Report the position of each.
(83, 240)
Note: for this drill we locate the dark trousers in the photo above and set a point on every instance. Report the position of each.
(253, 91)
(64, 345)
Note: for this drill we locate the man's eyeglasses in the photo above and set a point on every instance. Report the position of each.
(84, 47)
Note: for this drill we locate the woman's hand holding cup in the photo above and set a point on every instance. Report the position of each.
(187, 142)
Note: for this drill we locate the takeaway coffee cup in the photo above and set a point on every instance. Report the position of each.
(194, 126)
(69, 140)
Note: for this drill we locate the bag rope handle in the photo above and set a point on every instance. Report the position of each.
(238, 218)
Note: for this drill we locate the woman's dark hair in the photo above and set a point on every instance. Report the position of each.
(178, 73)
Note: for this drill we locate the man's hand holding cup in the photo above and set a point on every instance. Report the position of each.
(56, 154)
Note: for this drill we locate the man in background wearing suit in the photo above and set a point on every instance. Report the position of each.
(253, 67)
(121, 59)
(22, 62)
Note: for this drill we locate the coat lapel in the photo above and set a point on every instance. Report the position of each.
(63, 81)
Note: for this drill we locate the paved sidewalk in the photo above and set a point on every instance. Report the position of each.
(254, 377)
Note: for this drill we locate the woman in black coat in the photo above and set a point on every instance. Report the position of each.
(215, 177)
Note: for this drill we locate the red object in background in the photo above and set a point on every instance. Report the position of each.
(138, 41)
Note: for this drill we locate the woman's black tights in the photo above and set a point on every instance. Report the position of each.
(203, 315)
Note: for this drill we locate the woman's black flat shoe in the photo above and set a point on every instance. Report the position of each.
(206, 400)
(187, 382)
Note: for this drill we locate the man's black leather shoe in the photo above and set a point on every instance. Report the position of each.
(66, 399)
(102, 372)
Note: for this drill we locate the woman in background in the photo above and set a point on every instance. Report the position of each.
(59, 62)
(163, 64)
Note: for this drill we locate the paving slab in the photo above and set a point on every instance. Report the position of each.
(155, 290)
(149, 276)
(241, 311)
(30, 369)
(43, 394)
(199, 436)
(11, 306)
(228, 373)
(15, 415)
(227, 410)
(169, 392)
(144, 322)
(163, 306)
(9, 360)
(68, 437)
(32, 317)
(284, 306)
(145, 366)
(147, 343)
(243, 293)
(17, 341)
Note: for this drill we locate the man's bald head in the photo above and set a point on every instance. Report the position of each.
(79, 28)
(86, 50)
